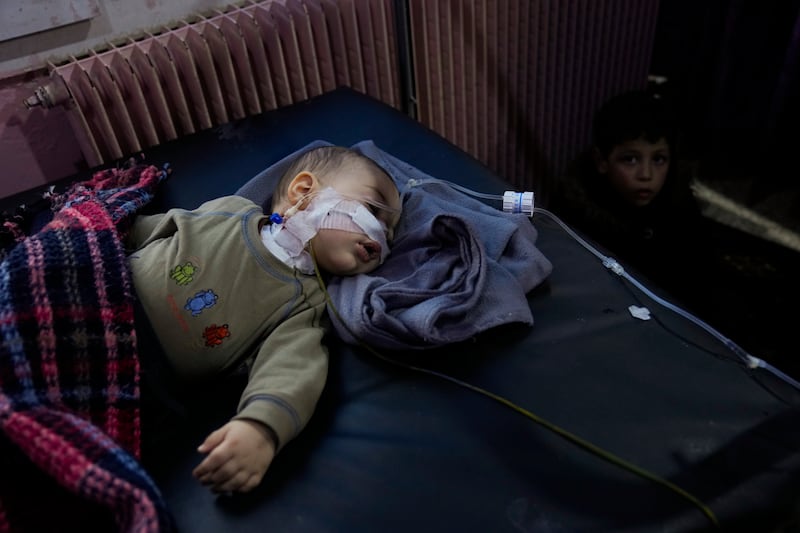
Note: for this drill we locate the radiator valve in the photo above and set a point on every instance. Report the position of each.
(50, 95)
(41, 97)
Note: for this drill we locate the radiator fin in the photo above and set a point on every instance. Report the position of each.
(513, 83)
(229, 64)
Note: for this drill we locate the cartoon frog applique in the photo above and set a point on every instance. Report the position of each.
(184, 274)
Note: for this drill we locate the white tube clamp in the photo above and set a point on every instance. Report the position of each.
(518, 202)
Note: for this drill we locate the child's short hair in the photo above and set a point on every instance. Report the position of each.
(322, 162)
(630, 116)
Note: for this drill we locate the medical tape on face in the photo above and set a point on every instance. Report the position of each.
(328, 209)
(351, 215)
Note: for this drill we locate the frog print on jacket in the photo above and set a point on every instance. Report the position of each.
(184, 274)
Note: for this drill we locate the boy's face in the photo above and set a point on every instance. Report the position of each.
(637, 169)
(345, 253)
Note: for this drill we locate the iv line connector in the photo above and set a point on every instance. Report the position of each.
(518, 202)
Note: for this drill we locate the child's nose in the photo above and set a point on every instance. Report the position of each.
(646, 170)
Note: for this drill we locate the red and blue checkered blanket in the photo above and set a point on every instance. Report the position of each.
(69, 372)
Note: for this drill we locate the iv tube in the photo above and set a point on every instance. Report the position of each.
(513, 201)
(609, 262)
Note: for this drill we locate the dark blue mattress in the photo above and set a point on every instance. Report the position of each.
(390, 449)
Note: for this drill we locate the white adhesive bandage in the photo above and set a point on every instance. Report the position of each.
(327, 210)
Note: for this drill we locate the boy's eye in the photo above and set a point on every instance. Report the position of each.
(660, 159)
(629, 159)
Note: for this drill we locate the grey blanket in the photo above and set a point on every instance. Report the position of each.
(458, 266)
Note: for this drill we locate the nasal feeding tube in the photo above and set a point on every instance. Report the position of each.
(522, 202)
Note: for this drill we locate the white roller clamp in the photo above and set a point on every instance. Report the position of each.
(518, 202)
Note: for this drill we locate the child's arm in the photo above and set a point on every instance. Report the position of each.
(287, 375)
(286, 379)
(149, 228)
(238, 455)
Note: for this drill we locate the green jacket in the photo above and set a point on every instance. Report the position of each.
(216, 298)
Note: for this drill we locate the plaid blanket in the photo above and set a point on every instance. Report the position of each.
(69, 372)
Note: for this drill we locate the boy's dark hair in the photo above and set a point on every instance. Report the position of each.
(630, 116)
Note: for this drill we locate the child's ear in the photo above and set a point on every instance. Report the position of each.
(600, 162)
(300, 187)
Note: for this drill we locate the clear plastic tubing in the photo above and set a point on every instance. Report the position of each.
(513, 201)
(523, 202)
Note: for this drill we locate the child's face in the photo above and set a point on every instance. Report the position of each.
(345, 253)
(637, 169)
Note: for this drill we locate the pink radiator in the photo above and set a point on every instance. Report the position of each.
(221, 67)
(512, 82)
(515, 82)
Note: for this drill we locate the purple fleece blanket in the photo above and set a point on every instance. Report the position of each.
(457, 267)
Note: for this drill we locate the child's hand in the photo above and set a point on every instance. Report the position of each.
(239, 454)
